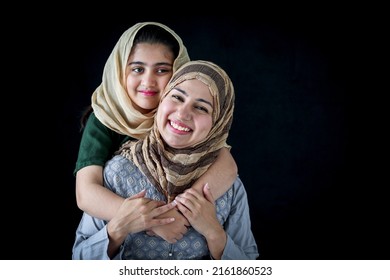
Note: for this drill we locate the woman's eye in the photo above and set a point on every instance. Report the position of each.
(201, 108)
(177, 97)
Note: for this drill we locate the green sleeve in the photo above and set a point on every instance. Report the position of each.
(98, 144)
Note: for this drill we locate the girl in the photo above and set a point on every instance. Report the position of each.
(124, 105)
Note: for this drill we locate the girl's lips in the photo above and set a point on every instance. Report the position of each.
(148, 93)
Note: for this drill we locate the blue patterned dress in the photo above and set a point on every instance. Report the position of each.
(124, 178)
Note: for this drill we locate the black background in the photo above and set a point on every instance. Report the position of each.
(300, 136)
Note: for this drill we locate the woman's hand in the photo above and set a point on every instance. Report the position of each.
(200, 211)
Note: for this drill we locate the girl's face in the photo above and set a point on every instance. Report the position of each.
(184, 117)
(148, 70)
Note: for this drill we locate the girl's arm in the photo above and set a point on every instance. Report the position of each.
(92, 197)
(220, 176)
(95, 199)
(98, 144)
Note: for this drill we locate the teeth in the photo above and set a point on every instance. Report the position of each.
(175, 125)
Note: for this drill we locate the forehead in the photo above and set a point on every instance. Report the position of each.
(151, 52)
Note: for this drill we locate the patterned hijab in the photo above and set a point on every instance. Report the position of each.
(110, 101)
(174, 170)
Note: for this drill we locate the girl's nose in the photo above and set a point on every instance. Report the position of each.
(149, 80)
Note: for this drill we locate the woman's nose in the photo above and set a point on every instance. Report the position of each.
(184, 112)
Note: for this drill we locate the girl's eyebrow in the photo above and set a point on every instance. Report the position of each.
(143, 63)
(198, 99)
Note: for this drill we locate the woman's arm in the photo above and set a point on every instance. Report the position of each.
(234, 239)
(199, 209)
(220, 176)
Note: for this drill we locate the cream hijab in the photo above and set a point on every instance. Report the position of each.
(171, 170)
(110, 101)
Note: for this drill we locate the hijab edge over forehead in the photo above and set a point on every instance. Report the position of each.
(110, 101)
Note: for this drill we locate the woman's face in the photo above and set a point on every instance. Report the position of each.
(148, 70)
(184, 117)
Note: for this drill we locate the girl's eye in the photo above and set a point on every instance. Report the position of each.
(163, 71)
(137, 70)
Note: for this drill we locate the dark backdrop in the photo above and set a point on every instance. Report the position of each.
(293, 136)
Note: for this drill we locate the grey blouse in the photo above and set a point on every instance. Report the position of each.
(125, 179)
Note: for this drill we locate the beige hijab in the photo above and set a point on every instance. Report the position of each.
(174, 170)
(110, 101)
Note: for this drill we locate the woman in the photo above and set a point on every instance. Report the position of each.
(191, 127)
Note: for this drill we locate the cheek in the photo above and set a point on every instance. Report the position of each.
(206, 126)
(132, 81)
(164, 108)
(129, 84)
(162, 114)
(159, 125)
(159, 118)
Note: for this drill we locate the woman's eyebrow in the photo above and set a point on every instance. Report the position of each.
(198, 99)
(205, 101)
